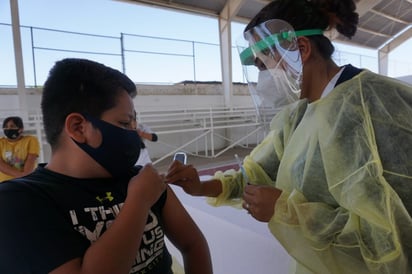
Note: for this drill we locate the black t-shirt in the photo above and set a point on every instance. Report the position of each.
(47, 219)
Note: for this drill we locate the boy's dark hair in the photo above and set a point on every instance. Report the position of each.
(83, 86)
(313, 14)
(16, 120)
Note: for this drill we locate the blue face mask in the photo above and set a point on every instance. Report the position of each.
(119, 150)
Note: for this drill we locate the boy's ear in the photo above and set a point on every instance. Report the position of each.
(305, 48)
(75, 126)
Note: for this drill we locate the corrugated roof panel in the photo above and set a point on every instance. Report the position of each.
(380, 16)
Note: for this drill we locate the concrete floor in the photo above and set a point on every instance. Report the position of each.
(237, 242)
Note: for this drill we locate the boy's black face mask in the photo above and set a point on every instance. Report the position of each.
(119, 150)
(12, 133)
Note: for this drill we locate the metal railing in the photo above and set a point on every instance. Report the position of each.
(201, 132)
(145, 59)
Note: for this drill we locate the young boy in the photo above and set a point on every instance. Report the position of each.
(87, 211)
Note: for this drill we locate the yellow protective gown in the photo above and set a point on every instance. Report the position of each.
(344, 164)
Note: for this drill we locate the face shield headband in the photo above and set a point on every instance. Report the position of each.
(248, 55)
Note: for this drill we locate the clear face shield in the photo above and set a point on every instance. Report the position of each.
(272, 65)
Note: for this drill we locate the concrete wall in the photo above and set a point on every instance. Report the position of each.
(188, 95)
(151, 99)
(406, 79)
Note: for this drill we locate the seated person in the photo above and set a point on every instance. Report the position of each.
(19, 152)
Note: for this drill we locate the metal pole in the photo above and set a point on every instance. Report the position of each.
(194, 61)
(33, 57)
(122, 52)
(18, 55)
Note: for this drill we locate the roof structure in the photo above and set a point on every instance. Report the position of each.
(383, 26)
(381, 22)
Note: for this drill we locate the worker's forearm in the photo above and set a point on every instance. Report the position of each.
(211, 188)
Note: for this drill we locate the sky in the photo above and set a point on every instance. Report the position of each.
(110, 18)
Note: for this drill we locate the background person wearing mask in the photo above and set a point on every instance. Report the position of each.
(19, 153)
(333, 176)
(146, 134)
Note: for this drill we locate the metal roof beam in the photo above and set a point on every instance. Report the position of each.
(375, 32)
(397, 41)
(174, 6)
(363, 6)
(390, 17)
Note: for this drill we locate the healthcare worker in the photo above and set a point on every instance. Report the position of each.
(333, 176)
